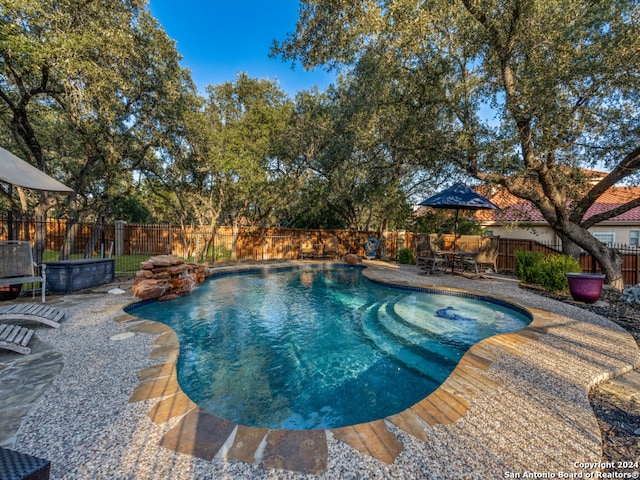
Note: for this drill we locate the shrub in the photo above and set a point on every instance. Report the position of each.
(554, 268)
(528, 265)
(547, 271)
(405, 256)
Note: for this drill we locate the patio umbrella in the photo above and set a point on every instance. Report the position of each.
(459, 197)
(16, 171)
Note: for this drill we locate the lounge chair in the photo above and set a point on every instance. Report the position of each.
(33, 312)
(15, 338)
(487, 255)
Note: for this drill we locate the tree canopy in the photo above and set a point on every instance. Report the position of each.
(522, 94)
(88, 92)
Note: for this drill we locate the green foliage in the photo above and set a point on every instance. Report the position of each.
(441, 221)
(554, 267)
(221, 253)
(527, 263)
(405, 256)
(106, 75)
(131, 209)
(547, 271)
(466, 226)
(524, 95)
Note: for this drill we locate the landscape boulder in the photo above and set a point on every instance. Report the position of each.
(166, 277)
(352, 259)
(631, 295)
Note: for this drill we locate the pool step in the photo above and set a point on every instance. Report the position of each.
(424, 343)
(420, 313)
(436, 368)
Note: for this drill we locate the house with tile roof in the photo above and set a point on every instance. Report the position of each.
(520, 219)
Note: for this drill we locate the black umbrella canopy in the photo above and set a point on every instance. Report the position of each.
(459, 197)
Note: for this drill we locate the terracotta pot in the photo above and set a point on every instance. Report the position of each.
(10, 292)
(585, 287)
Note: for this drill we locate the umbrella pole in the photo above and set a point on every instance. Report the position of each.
(455, 230)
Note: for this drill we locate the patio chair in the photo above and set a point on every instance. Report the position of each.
(434, 259)
(331, 248)
(308, 249)
(422, 248)
(17, 266)
(487, 255)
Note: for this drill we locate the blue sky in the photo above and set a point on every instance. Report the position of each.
(219, 38)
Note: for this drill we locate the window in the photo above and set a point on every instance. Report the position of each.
(634, 238)
(608, 238)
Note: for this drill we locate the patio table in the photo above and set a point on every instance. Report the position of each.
(457, 257)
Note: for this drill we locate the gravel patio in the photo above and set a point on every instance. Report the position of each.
(70, 401)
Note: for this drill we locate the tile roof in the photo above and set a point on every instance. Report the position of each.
(516, 209)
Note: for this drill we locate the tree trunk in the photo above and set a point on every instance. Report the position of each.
(90, 247)
(235, 231)
(71, 230)
(47, 202)
(24, 204)
(383, 232)
(610, 259)
(209, 246)
(69, 243)
(569, 247)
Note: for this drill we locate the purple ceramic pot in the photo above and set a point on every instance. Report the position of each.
(585, 287)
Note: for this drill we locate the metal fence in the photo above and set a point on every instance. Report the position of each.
(130, 244)
(630, 257)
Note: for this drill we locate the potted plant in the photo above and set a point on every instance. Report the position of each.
(10, 292)
(585, 287)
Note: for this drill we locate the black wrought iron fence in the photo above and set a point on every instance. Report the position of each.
(630, 257)
(130, 244)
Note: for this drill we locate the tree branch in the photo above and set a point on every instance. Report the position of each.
(629, 165)
(619, 210)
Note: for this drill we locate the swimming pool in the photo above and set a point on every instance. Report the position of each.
(320, 348)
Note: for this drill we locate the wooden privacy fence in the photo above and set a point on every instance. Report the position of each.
(120, 240)
(508, 247)
(630, 257)
(223, 243)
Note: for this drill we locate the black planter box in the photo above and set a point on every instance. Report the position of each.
(68, 276)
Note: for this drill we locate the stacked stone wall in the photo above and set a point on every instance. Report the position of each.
(166, 277)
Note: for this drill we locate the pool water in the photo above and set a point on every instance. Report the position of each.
(319, 348)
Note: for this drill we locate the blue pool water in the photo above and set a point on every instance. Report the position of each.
(324, 348)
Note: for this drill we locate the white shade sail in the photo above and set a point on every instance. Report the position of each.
(16, 171)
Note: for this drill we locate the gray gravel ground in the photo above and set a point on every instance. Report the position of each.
(538, 420)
